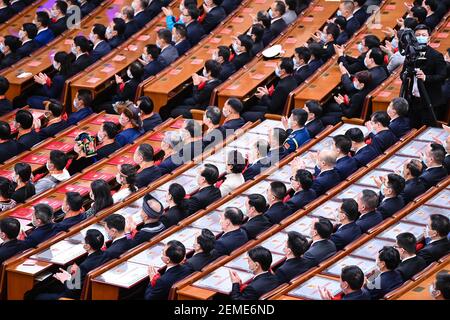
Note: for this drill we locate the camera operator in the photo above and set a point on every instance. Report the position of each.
(432, 72)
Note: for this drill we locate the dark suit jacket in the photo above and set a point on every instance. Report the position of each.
(276, 102)
(227, 69)
(59, 26)
(390, 206)
(301, 199)
(314, 65)
(44, 37)
(27, 48)
(5, 106)
(183, 46)
(413, 188)
(432, 176)
(147, 232)
(383, 140)
(151, 122)
(256, 225)
(302, 73)
(200, 97)
(256, 168)
(81, 63)
(152, 68)
(66, 224)
(18, 6)
(232, 124)
(184, 154)
(10, 59)
(240, 60)
(362, 294)
(131, 28)
(9, 249)
(5, 14)
(342, 38)
(115, 249)
(369, 220)
(142, 18)
(319, 251)
(435, 250)
(198, 261)
(203, 198)
(386, 282)
(361, 15)
(213, 18)
(168, 55)
(346, 166)
(365, 155)
(291, 268)
(162, 286)
(147, 176)
(9, 149)
(87, 7)
(352, 26)
(53, 129)
(325, 181)
(79, 115)
(29, 139)
(229, 241)
(38, 235)
(276, 27)
(129, 90)
(195, 32)
(116, 41)
(102, 49)
(400, 126)
(379, 74)
(345, 235)
(260, 285)
(447, 163)
(257, 47)
(409, 268)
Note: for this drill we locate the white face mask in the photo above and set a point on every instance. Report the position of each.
(47, 166)
(108, 33)
(76, 104)
(64, 209)
(118, 178)
(22, 34)
(129, 74)
(92, 37)
(73, 50)
(205, 74)
(100, 136)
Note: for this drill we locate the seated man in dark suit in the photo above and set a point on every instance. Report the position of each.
(242, 47)
(433, 159)
(274, 102)
(5, 105)
(44, 33)
(59, 19)
(141, 15)
(203, 246)
(301, 183)
(5, 11)
(256, 32)
(412, 170)
(207, 193)
(173, 255)
(26, 135)
(18, 5)
(277, 24)
(232, 113)
(213, 134)
(440, 289)
(436, 239)
(389, 279)
(361, 12)
(42, 217)
(345, 165)
(328, 39)
(201, 92)
(277, 210)
(347, 231)
(447, 155)
(8, 147)
(381, 136)
(82, 104)
(56, 123)
(352, 282)
(398, 112)
(98, 38)
(87, 6)
(410, 264)
(346, 9)
(26, 35)
(181, 43)
(115, 32)
(313, 124)
(374, 61)
(321, 247)
(367, 204)
(131, 27)
(222, 56)
(81, 48)
(10, 54)
(295, 264)
(257, 222)
(150, 60)
(363, 153)
(258, 159)
(355, 65)
(168, 52)
(150, 119)
(148, 171)
(302, 55)
(72, 209)
(9, 231)
(93, 243)
(115, 229)
(259, 262)
(214, 14)
(391, 187)
(195, 31)
(233, 235)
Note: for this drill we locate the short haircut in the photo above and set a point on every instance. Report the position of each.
(443, 284)
(12, 42)
(43, 18)
(343, 143)
(224, 52)
(324, 227)
(437, 153)
(235, 104)
(115, 221)
(377, 55)
(4, 85)
(213, 113)
(355, 134)
(287, 65)
(420, 13)
(414, 167)
(372, 41)
(370, 199)
(440, 224)
(30, 29)
(396, 183)
(83, 43)
(298, 243)
(350, 208)
(354, 276)
(246, 42)
(333, 29)
(119, 26)
(146, 104)
(381, 117)
(258, 202)
(94, 239)
(10, 227)
(280, 7)
(165, 35)
(262, 256)
(303, 53)
(56, 107)
(278, 189)
(235, 215)
(5, 130)
(410, 22)
(43, 212)
(74, 200)
(236, 160)
(85, 96)
(111, 129)
(99, 30)
(364, 77)
(23, 170)
(213, 67)
(305, 178)
(62, 6)
(6, 187)
(24, 118)
(401, 106)
(206, 240)
(407, 241)
(390, 256)
(314, 108)
(153, 51)
(193, 12)
(137, 70)
(58, 159)
(176, 251)
(181, 29)
(210, 173)
(146, 151)
(258, 31)
(300, 116)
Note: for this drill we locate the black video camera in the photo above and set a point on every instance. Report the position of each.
(409, 47)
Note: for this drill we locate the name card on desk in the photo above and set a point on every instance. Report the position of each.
(124, 275)
(197, 61)
(219, 280)
(283, 174)
(442, 199)
(421, 214)
(32, 266)
(107, 69)
(24, 213)
(143, 37)
(93, 80)
(150, 257)
(259, 188)
(158, 136)
(160, 195)
(119, 58)
(233, 87)
(61, 253)
(310, 289)
(275, 243)
(34, 63)
(327, 210)
(257, 76)
(57, 145)
(238, 20)
(367, 266)
(401, 227)
(226, 30)
(370, 249)
(189, 184)
(238, 202)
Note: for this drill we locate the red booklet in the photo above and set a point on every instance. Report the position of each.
(23, 213)
(158, 136)
(74, 188)
(57, 145)
(121, 160)
(36, 159)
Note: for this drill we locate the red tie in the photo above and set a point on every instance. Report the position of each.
(154, 279)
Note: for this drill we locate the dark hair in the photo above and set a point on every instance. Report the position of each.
(258, 202)
(146, 104)
(341, 22)
(370, 199)
(355, 134)
(146, 151)
(178, 194)
(300, 116)
(58, 159)
(94, 239)
(85, 96)
(56, 107)
(175, 251)
(23, 170)
(303, 53)
(333, 29)
(280, 135)
(99, 30)
(246, 42)
(414, 169)
(129, 172)
(6, 188)
(287, 65)
(440, 224)
(372, 41)
(74, 200)
(4, 85)
(153, 50)
(262, 17)
(83, 43)
(5, 130)
(236, 160)
(111, 129)
(43, 18)
(354, 276)
(407, 241)
(181, 29)
(364, 77)
(316, 50)
(410, 22)
(210, 173)
(420, 13)
(390, 256)
(324, 227)
(350, 208)
(102, 195)
(343, 143)
(381, 117)
(206, 240)
(10, 227)
(262, 256)
(401, 106)
(213, 67)
(213, 114)
(61, 6)
(314, 108)
(377, 55)
(193, 128)
(278, 189)
(437, 152)
(115, 221)
(280, 7)
(193, 11)
(12, 42)
(24, 118)
(30, 29)
(119, 26)
(396, 183)
(443, 284)
(137, 70)
(305, 178)
(298, 243)
(224, 52)
(258, 31)
(43, 212)
(165, 35)
(235, 215)
(235, 104)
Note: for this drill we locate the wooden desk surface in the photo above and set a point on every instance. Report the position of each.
(166, 83)
(194, 293)
(257, 72)
(42, 59)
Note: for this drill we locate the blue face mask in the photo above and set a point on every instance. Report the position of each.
(323, 37)
(394, 43)
(181, 20)
(236, 48)
(278, 72)
(360, 47)
(270, 13)
(2, 47)
(422, 39)
(339, 13)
